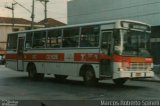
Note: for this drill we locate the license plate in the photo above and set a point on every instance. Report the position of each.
(138, 74)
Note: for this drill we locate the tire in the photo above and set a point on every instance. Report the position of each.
(120, 81)
(60, 77)
(89, 78)
(32, 73)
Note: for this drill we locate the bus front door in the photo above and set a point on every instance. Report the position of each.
(106, 48)
(20, 56)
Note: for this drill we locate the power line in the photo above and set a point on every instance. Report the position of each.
(12, 8)
(22, 6)
(32, 12)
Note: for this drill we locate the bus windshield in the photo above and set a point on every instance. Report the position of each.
(135, 43)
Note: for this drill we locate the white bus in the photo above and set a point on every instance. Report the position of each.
(117, 50)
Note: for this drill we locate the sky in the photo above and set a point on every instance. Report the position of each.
(57, 9)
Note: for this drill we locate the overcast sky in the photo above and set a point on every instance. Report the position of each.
(57, 9)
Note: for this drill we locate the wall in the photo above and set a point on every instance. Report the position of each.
(83, 11)
(3, 36)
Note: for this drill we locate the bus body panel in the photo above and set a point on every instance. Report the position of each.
(67, 66)
(12, 64)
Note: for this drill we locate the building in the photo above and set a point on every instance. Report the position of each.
(49, 22)
(84, 11)
(8, 25)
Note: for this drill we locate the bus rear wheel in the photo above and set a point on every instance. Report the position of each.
(89, 78)
(32, 73)
(119, 81)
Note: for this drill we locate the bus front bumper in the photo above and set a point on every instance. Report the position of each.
(135, 74)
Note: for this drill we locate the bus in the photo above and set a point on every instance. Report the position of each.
(118, 50)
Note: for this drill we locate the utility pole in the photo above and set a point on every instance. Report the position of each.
(12, 8)
(45, 10)
(32, 15)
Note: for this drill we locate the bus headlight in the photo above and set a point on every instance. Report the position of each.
(124, 66)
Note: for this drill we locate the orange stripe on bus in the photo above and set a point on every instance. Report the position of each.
(83, 57)
(90, 57)
(38, 56)
(11, 56)
(94, 57)
(118, 58)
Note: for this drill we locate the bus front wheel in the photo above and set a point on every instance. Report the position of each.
(89, 78)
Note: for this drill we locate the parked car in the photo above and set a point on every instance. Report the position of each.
(2, 60)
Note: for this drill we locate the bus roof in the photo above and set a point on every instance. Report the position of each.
(79, 25)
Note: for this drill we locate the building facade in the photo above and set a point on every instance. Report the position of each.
(82, 11)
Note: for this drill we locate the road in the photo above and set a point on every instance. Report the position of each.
(16, 86)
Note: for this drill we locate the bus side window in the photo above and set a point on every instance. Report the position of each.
(54, 39)
(84, 42)
(12, 41)
(28, 43)
(39, 39)
(70, 37)
(89, 36)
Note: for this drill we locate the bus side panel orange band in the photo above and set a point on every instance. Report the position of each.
(38, 56)
(90, 57)
(118, 58)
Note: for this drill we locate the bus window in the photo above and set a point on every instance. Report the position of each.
(39, 39)
(70, 37)
(117, 42)
(89, 36)
(54, 39)
(12, 41)
(29, 40)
